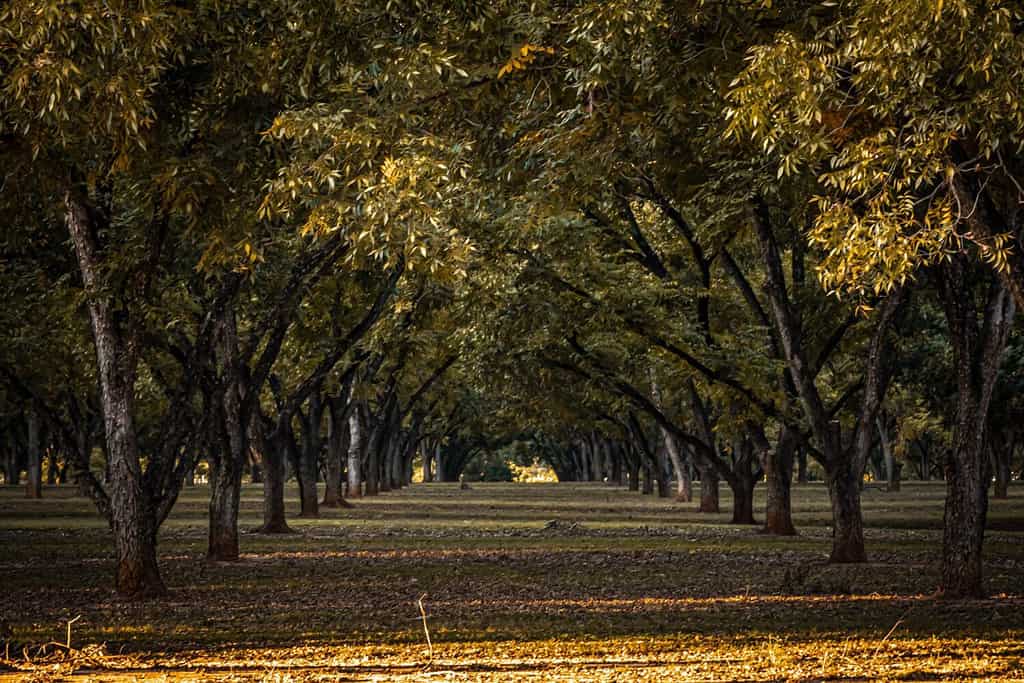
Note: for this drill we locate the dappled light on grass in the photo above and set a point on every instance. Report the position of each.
(522, 582)
(673, 658)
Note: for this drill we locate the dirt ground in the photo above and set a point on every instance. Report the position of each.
(518, 582)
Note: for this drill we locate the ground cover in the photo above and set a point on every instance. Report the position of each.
(529, 582)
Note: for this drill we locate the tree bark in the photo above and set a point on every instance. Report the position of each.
(373, 458)
(356, 448)
(34, 478)
(743, 481)
(272, 458)
(978, 355)
(1001, 456)
(684, 493)
(801, 465)
(337, 451)
(743, 501)
(307, 467)
(662, 472)
(53, 473)
(12, 472)
(634, 472)
(441, 472)
(648, 487)
(778, 471)
(708, 489)
(891, 477)
(231, 445)
(132, 517)
(225, 494)
(615, 453)
(843, 465)
(847, 523)
(428, 461)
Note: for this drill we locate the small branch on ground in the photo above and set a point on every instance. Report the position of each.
(426, 632)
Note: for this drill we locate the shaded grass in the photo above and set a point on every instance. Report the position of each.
(680, 593)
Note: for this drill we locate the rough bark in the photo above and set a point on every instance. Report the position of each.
(12, 471)
(648, 485)
(440, 473)
(373, 459)
(53, 472)
(672, 448)
(615, 452)
(1002, 454)
(356, 448)
(843, 463)
(888, 458)
(337, 451)
(231, 445)
(634, 473)
(307, 467)
(709, 481)
(742, 482)
(428, 461)
(977, 352)
(662, 471)
(778, 471)
(801, 465)
(225, 494)
(847, 523)
(34, 478)
(684, 493)
(132, 517)
(272, 459)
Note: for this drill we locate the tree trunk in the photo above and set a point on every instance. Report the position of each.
(887, 455)
(897, 473)
(233, 449)
(272, 457)
(337, 449)
(708, 489)
(12, 472)
(428, 461)
(308, 466)
(138, 575)
(648, 487)
(373, 458)
(967, 476)
(743, 501)
(662, 472)
(742, 482)
(224, 500)
(977, 352)
(615, 452)
(440, 473)
(255, 473)
(387, 462)
(53, 474)
(801, 465)
(634, 473)
(684, 492)
(1001, 457)
(778, 472)
(132, 517)
(848, 524)
(356, 447)
(34, 480)
(595, 459)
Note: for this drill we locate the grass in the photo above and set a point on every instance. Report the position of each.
(625, 587)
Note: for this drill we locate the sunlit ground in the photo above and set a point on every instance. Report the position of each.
(622, 587)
